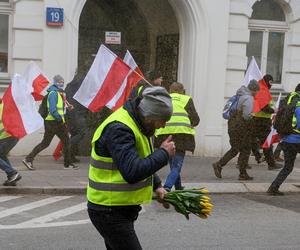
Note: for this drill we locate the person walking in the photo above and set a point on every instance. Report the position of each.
(7, 142)
(262, 124)
(290, 145)
(239, 130)
(181, 127)
(122, 166)
(54, 125)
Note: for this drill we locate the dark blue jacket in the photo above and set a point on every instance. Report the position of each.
(118, 141)
(52, 98)
(294, 138)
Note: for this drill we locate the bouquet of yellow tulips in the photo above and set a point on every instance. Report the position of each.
(190, 201)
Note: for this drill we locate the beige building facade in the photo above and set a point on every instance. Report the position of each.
(205, 44)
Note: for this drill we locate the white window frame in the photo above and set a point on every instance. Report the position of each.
(7, 9)
(266, 27)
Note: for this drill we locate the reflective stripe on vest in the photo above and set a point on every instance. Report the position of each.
(3, 133)
(262, 114)
(179, 122)
(59, 107)
(106, 185)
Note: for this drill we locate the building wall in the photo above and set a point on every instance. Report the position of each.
(212, 56)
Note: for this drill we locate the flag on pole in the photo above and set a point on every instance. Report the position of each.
(273, 137)
(20, 116)
(37, 79)
(131, 80)
(103, 80)
(263, 96)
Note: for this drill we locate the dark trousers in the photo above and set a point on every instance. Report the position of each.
(261, 130)
(117, 228)
(278, 150)
(240, 144)
(290, 151)
(6, 145)
(53, 128)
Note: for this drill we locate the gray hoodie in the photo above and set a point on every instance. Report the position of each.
(246, 102)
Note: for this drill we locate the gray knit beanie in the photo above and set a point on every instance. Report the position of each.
(156, 104)
(253, 85)
(57, 78)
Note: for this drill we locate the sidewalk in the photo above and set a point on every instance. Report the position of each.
(51, 178)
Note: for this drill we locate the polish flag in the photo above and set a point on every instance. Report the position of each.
(132, 79)
(35, 77)
(263, 96)
(273, 137)
(103, 80)
(20, 116)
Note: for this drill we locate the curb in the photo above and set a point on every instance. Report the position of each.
(214, 188)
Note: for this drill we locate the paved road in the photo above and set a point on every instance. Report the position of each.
(244, 221)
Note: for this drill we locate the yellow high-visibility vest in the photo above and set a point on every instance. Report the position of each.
(106, 185)
(59, 106)
(179, 122)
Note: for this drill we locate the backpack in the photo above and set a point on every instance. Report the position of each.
(230, 107)
(284, 117)
(43, 109)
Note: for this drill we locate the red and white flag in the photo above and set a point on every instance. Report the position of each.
(35, 77)
(273, 137)
(263, 96)
(20, 116)
(132, 79)
(103, 80)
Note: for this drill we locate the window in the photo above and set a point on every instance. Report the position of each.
(267, 34)
(3, 43)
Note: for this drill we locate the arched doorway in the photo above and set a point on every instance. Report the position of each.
(149, 30)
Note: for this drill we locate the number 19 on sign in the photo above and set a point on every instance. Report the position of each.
(55, 16)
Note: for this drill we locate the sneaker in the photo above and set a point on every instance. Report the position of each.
(217, 169)
(180, 188)
(28, 164)
(245, 177)
(167, 189)
(274, 192)
(274, 167)
(12, 180)
(71, 166)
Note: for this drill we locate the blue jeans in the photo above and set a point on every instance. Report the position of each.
(174, 178)
(5, 146)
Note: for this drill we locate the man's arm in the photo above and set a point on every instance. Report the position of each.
(193, 115)
(120, 143)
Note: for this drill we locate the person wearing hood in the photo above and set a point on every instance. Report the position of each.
(54, 124)
(239, 130)
(123, 166)
(262, 124)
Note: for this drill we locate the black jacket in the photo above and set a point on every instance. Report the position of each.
(118, 141)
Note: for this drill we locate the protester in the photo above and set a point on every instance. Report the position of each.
(181, 127)
(54, 125)
(239, 130)
(262, 124)
(76, 117)
(290, 145)
(123, 163)
(7, 142)
(154, 76)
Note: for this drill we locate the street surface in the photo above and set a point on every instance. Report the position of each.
(239, 221)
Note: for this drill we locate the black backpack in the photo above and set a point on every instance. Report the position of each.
(284, 116)
(43, 109)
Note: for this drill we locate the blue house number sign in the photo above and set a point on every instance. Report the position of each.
(55, 16)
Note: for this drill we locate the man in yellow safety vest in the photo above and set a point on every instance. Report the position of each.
(123, 166)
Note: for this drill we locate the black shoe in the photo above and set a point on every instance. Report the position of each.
(71, 166)
(12, 180)
(180, 188)
(274, 192)
(275, 166)
(28, 164)
(74, 160)
(245, 177)
(167, 189)
(217, 169)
